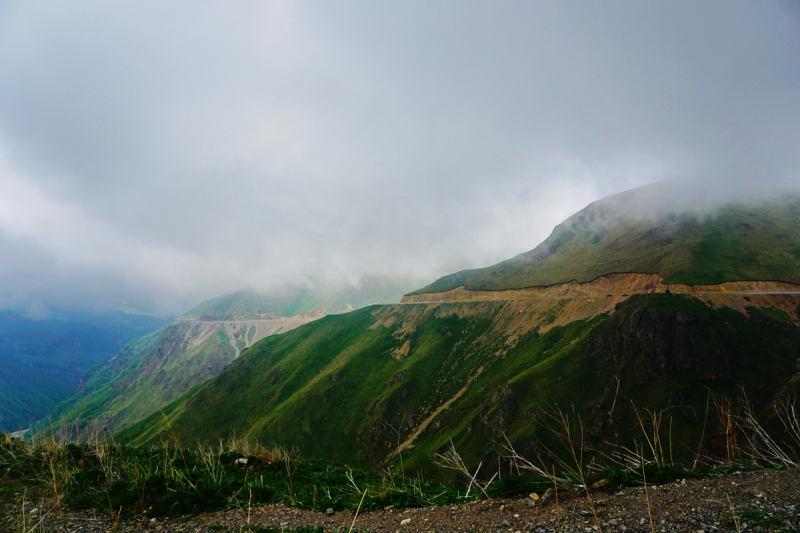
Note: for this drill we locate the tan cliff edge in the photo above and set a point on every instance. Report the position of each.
(615, 285)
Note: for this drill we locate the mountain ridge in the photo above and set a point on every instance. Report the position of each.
(734, 242)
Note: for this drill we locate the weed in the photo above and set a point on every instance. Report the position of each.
(123, 482)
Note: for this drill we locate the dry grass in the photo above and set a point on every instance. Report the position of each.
(451, 460)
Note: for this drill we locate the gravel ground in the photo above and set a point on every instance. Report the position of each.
(769, 500)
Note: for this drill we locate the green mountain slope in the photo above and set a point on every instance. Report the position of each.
(356, 387)
(633, 232)
(372, 386)
(152, 371)
(42, 361)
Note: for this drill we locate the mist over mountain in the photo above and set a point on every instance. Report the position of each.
(655, 297)
(155, 155)
(428, 239)
(685, 233)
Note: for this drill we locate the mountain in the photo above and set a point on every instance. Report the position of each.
(42, 360)
(357, 388)
(626, 345)
(633, 232)
(294, 301)
(152, 371)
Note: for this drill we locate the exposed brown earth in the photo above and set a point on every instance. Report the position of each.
(252, 329)
(585, 300)
(614, 284)
(751, 501)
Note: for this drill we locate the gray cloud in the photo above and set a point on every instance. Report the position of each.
(153, 154)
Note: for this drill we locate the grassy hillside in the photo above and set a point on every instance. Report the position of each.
(630, 232)
(154, 370)
(146, 374)
(353, 387)
(42, 361)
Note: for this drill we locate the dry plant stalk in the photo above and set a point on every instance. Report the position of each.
(558, 511)
(655, 443)
(212, 460)
(702, 435)
(647, 497)
(564, 429)
(762, 443)
(524, 464)
(357, 510)
(180, 450)
(729, 428)
(452, 461)
(734, 516)
(787, 414)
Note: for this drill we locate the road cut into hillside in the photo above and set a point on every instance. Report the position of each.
(604, 293)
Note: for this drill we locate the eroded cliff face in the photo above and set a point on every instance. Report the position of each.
(240, 333)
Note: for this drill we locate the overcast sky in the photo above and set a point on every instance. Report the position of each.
(155, 154)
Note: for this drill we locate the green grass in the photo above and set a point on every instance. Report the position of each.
(125, 483)
(145, 375)
(128, 481)
(735, 243)
(336, 389)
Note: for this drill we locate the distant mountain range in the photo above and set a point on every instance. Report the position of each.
(625, 311)
(42, 361)
(155, 369)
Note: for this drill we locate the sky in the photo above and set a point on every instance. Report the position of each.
(155, 154)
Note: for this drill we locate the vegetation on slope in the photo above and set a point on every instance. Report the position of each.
(154, 370)
(351, 388)
(42, 361)
(619, 234)
(147, 373)
(132, 482)
(42, 482)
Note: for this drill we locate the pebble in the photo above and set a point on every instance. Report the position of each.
(706, 512)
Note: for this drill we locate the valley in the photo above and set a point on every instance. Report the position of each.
(154, 370)
(42, 360)
(567, 361)
(150, 372)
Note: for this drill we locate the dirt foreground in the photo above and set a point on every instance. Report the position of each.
(758, 501)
